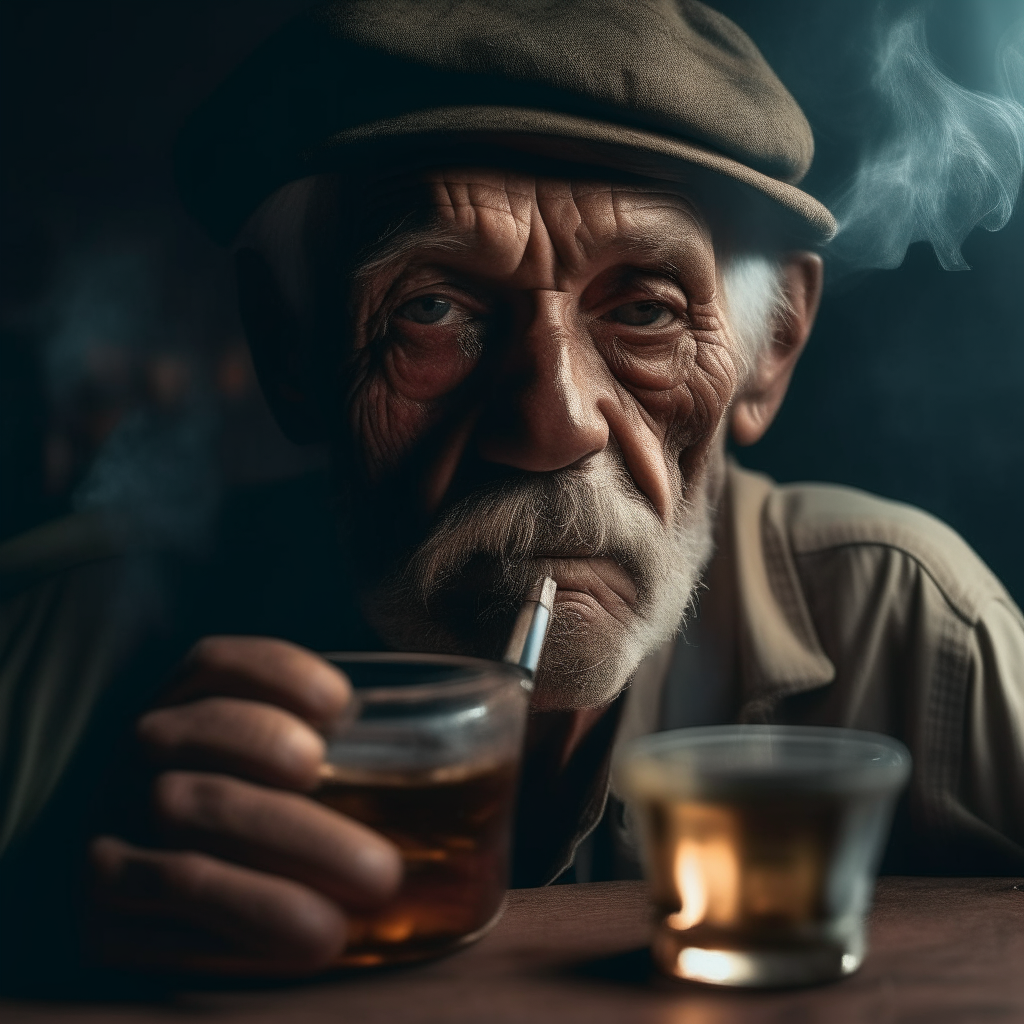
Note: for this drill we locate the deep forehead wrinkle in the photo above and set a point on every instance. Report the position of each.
(460, 232)
(568, 218)
(420, 245)
(463, 201)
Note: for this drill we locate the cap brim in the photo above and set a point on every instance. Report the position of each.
(577, 139)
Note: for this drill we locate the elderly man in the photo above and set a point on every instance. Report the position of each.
(524, 267)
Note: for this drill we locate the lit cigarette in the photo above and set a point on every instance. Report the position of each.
(531, 626)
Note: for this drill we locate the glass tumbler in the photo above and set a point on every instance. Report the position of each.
(761, 844)
(428, 755)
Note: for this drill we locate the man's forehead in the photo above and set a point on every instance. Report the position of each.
(477, 205)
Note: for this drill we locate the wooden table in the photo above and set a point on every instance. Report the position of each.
(942, 951)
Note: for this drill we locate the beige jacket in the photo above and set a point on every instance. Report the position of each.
(822, 605)
(827, 606)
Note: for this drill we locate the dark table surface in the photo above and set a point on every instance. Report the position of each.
(942, 950)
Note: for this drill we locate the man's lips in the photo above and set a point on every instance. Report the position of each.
(591, 583)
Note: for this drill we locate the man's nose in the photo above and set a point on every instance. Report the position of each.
(545, 412)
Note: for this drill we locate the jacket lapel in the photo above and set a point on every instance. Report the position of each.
(779, 651)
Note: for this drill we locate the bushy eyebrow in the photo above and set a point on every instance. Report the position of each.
(654, 253)
(660, 255)
(400, 243)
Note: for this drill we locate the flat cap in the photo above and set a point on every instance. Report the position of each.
(650, 86)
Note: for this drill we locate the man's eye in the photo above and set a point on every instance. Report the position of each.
(639, 314)
(427, 309)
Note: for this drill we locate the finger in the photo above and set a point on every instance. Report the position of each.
(257, 741)
(280, 832)
(263, 669)
(258, 918)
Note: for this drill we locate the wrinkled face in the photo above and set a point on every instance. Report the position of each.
(538, 384)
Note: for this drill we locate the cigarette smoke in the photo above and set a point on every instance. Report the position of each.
(114, 361)
(945, 159)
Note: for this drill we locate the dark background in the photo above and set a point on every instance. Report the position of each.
(122, 363)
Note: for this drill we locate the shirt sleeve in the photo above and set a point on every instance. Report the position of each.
(63, 641)
(80, 652)
(993, 755)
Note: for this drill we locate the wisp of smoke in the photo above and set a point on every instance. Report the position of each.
(946, 160)
(161, 472)
(158, 466)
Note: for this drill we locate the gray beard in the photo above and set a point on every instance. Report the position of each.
(459, 590)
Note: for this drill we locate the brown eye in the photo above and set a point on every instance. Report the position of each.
(639, 314)
(426, 309)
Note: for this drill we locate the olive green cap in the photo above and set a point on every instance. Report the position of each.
(656, 87)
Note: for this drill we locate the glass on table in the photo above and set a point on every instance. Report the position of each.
(761, 844)
(428, 755)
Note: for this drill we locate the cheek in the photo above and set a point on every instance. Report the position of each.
(423, 364)
(671, 401)
(684, 384)
(715, 376)
(400, 396)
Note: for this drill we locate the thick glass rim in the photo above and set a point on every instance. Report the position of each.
(671, 761)
(493, 674)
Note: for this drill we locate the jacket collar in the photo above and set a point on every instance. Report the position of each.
(778, 651)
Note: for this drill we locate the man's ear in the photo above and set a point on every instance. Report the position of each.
(277, 353)
(761, 397)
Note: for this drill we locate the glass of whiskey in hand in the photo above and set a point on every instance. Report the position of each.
(429, 757)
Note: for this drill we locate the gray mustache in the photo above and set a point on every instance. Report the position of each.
(591, 513)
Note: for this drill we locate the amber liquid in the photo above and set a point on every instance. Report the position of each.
(453, 828)
(742, 874)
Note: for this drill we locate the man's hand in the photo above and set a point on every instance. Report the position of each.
(253, 877)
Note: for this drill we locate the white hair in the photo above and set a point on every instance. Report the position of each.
(755, 297)
(752, 282)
